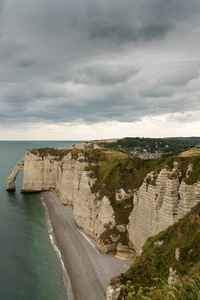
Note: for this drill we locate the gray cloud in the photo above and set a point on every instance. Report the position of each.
(105, 74)
(133, 20)
(128, 32)
(157, 91)
(25, 63)
(96, 61)
(181, 73)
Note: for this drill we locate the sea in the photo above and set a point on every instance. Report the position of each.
(30, 266)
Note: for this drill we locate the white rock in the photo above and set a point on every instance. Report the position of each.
(121, 228)
(73, 184)
(112, 292)
(157, 207)
(177, 254)
(121, 195)
(173, 277)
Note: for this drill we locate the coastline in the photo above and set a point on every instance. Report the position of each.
(88, 269)
(65, 276)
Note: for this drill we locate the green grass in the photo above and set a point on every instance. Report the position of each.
(115, 170)
(154, 262)
(44, 152)
(186, 288)
(191, 152)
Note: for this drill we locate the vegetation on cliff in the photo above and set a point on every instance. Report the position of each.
(183, 162)
(44, 152)
(57, 153)
(177, 248)
(115, 170)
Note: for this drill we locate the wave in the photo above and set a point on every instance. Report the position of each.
(65, 276)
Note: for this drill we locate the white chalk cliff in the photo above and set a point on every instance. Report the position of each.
(155, 206)
(73, 183)
(13, 175)
(158, 206)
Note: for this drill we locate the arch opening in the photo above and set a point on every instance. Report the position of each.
(11, 179)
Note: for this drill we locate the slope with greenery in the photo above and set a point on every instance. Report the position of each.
(176, 248)
(115, 170)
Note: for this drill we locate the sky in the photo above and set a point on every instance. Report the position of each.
(93, 69)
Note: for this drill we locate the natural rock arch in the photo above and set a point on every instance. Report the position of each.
(13, 175)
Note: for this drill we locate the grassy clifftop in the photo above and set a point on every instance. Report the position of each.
(176, 248)
(115, 170)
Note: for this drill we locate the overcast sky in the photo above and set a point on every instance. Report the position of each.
(91, 69)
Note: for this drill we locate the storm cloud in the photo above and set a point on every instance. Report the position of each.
(93, 62)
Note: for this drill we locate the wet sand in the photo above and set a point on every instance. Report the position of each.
(89, 269)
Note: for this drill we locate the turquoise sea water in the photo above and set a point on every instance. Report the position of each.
(29, 266)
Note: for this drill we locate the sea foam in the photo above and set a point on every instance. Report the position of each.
(65, 276)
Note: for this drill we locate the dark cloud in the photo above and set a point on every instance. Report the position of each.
(137, 20)
(180, 75)
(156, 92)
(129, 32)
(105, 74)
(63, 61)
(25, 63)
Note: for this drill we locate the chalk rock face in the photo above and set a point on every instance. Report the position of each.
(173, 277)
(12, 177)
(85, 145)
(96, 217)
(121, 195)
(189, 196)
(158, 206)
(113, 292)
(39, 173)
(73, 182)
(160, 201)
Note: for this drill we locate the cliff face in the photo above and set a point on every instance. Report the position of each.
(158, 206)
(40, 173)
(73, 183)
(169, 258)
(13, 175)
(157, 203)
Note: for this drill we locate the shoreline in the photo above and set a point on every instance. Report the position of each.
(89, 270)
(65, 276)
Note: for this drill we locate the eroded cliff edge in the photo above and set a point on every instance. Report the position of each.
(82, 178)
(168, 267)
(119, 200)
(162, 200)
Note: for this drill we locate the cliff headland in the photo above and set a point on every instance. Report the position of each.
(118, 199)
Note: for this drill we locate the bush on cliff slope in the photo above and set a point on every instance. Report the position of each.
(115, 170)
(176, 247)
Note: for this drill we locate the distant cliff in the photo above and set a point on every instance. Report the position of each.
(119, 200)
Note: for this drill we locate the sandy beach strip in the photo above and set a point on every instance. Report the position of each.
(89, 270)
